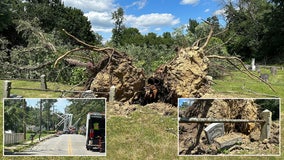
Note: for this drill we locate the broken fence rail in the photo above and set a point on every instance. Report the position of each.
(213, 120)
(265, 121)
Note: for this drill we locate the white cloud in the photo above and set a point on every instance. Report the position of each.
(185, 2)
(99, 13)
(103, 19)
(219, 12)
(140, 4)
(153, 19)
(91, 5)
(207, 10)
(157, 29)
(151, 22)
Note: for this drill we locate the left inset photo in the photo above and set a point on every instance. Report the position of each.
(54, 127)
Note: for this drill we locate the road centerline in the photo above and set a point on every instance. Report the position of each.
(70, 151)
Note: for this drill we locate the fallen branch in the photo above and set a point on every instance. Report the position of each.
(220, 45)
(68, 52)
(91, 47)
(209, 35)
(108, 51)
(249, 73)
(76, 62)
(260, 94)
(78, 40)
(196, 43)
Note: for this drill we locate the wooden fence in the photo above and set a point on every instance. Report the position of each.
(87, 94)
(13, 138)
(265, 122)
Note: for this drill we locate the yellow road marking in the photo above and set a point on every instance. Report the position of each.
(70, 152)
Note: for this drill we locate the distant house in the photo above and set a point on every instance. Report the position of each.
(8, 131)
(34, 128)
(31, 128)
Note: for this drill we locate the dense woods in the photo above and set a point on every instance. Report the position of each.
(18, 114)
(31, 38)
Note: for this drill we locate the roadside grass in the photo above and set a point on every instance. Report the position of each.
(28, 136)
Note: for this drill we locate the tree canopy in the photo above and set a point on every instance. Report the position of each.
(81, 107)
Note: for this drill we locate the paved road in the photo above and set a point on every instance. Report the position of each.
(64, 145)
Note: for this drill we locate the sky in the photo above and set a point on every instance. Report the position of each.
(156, 16)
(188, 100)
(59, 106)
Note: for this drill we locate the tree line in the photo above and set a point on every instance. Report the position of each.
(31, 37)
(18, 115)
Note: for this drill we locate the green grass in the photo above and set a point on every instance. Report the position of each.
(142, 136)
(28, 136)
(240, 85)
(36, 85)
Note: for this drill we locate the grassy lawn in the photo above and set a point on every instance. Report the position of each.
(142, 135)
(36, 85)
(240, 85)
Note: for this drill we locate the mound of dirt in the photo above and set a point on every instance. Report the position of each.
(163, 108)
(184, 76)
(118, 71)
(122, 109)
(119, 108)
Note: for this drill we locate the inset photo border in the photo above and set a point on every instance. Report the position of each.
(54, 127)
(229, 127)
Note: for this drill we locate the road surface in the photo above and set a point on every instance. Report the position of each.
(64, 145)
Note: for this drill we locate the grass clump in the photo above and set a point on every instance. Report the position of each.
(142, 136)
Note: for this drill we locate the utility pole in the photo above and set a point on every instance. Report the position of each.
(40, 117)
(52, 119)
(24, 118)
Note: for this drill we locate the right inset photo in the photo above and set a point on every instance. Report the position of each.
(220, 127)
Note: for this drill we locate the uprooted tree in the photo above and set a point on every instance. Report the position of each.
(184, 76)
(114, 69)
